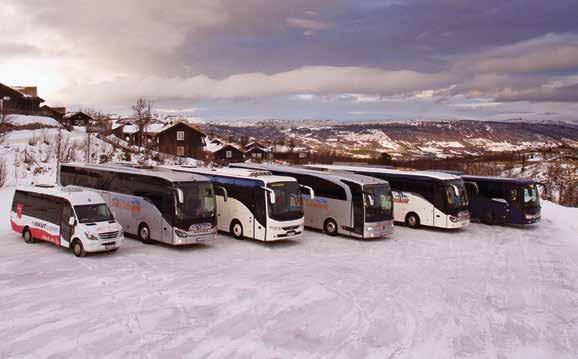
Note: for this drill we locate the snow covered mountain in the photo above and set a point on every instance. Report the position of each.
(413, 139)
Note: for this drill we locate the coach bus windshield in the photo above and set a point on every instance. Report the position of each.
(198, 201)
(378, 203)
(288, 205)
(456, 194)
(531, 196)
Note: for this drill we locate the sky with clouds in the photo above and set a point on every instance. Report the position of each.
(299, 59)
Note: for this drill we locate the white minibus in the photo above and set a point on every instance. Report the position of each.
(344, 203)
(68, 217)
(254, 204)
(151, 203)
(422, 198)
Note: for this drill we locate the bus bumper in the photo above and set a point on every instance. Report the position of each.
(180, 241)
(103, 245)
(288, 231)
(378, 229)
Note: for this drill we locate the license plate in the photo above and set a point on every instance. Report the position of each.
(109, 246)
(291, 233)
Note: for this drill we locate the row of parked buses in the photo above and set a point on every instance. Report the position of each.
(95, 205)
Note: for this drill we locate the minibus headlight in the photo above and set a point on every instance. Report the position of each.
(180, 233)
(91, 236)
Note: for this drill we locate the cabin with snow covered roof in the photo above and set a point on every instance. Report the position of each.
(20, 100)
(179, 138)
(226, 154)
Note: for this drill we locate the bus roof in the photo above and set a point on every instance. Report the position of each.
(154, 171)
(75, 195)
(265, 176)
(441, 176)
(336, 175)
(518, 181)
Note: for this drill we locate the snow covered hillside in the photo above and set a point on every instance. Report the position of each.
(482, 292)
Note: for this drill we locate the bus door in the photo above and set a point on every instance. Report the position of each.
(66, 229)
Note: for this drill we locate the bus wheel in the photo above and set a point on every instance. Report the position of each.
(237, 229)
(144, 233)
(489, 219)
(412, 220)
(330, 227)
(78, 249)
(27, 235)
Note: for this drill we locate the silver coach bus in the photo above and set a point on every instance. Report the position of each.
(151, 203)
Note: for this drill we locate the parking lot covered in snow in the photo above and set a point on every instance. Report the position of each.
(481, 292)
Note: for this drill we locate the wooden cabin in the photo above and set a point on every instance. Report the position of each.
(20, 100)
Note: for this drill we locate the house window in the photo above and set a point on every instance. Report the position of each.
(254, 155)
(258, 155)
(180, 135)
(180, 151)
(229, 154)
(302, 155)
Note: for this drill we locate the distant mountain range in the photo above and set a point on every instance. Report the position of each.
(408, 139)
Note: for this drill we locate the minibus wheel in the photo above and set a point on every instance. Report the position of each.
(330, 227)
(412, 220)
(237, 229)
(144, 233)
(27, 235)
(78, 249)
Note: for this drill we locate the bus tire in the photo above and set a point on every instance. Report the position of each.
(488, 219)
(144, 233)
(412, 220)
(236, 229)
(330, 227)
(27, 235)
(78, 248)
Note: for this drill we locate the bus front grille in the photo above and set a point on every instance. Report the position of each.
(109, 235)
(290, 228)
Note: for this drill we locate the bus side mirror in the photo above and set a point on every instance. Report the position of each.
(311, 191)
(224, 190)
(72, 221)
(272, 197)
(472, 188)
(370, 199)
(180, 195)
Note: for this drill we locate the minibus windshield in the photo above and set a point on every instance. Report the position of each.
(288, 204)
(456, 194)
(90, 213)
(198, 201)
(378, 203)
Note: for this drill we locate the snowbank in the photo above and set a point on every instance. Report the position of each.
(483, 292)
(22, 120)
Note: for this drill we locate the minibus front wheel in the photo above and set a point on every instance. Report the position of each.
(27, 235)
(78, 248)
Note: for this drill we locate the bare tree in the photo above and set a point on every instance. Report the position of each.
(5, 123)
(142, 111)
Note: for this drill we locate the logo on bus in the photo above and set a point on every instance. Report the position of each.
(316, 203)
(132, 204)
(400, 197)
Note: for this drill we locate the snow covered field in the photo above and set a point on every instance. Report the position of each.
(484, 292)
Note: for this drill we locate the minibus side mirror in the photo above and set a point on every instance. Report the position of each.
(272, 197)
(311, 191)
(224, 190)
(72, 221)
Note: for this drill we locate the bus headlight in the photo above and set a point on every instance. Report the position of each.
(180, 233)
(370, 229)
(454, 219)
(91, 236)
(275, 228)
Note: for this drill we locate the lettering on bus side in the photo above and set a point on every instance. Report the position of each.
(320, 203)
(400, 197)
(132, 204)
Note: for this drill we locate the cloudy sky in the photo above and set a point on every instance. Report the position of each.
(299, 59)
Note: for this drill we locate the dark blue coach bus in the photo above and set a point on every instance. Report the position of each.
(497, 200)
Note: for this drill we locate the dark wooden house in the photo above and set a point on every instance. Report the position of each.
(179, 139)
(228, 154)
(257, 153)
(20, 100)
(76, 119)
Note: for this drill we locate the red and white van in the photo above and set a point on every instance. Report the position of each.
(68, 217)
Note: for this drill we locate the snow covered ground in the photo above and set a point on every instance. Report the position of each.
(483, 292)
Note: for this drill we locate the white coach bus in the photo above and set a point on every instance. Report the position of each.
(432, 199)
(344, 203)
(151, 203)
(70, 218)
(254, 204)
